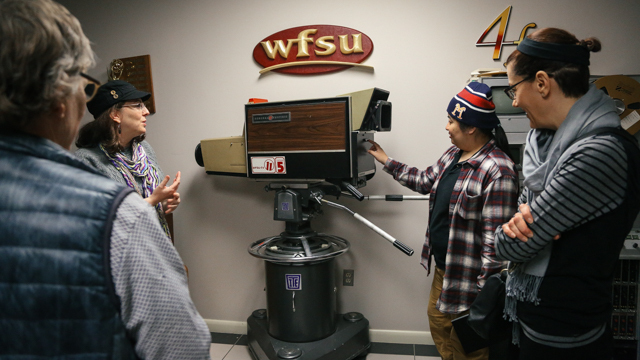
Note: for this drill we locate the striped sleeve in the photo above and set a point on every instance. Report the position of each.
(590, 184)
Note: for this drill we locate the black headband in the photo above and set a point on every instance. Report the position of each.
(575, 54)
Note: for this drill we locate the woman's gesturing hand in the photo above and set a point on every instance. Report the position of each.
(168, 195)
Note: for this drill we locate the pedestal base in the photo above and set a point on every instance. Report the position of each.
(350, 340)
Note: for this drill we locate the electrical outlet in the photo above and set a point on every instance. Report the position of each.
(347, 277)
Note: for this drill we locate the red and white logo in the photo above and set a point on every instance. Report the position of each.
(268, 165)
(313, 49)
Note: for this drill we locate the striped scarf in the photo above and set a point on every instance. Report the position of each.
(139, 166)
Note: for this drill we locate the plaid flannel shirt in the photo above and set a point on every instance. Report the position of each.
(483, 198)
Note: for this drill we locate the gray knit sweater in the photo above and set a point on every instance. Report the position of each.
(96, 158)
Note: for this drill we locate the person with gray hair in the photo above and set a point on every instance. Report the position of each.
(87, 270)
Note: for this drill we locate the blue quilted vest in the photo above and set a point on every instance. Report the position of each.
(57, 298)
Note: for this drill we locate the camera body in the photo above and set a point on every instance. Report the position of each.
(307, 141)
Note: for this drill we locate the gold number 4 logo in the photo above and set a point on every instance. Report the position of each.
(503, 19)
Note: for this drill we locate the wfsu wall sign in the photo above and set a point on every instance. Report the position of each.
(313, 49)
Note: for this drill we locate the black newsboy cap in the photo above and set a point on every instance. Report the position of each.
(111, 93)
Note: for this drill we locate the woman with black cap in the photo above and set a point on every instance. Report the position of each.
(581, 188)
(114, 144)
(473, 189)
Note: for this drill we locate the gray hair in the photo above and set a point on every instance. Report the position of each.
(42, 52)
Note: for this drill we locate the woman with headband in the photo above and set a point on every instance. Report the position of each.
(473, 189)
(580, 200)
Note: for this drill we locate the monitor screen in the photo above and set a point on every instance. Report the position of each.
(503, 103)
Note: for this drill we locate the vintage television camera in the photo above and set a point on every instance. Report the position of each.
(303, 140)
(304, 150)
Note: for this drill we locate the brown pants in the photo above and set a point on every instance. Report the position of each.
(442, 330)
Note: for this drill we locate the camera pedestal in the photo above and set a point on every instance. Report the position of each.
(350, 340)
(301, 320)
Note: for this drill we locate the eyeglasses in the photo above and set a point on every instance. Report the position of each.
(91, 89)
(511, 90)
(138, 106)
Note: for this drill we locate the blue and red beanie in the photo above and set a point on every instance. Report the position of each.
(474, 106)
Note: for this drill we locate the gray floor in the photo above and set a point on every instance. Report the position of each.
(240, 352)
(234, 347)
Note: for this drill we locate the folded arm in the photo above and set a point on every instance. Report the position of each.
(588, 185)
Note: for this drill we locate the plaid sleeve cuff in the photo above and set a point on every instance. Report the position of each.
(390, 165)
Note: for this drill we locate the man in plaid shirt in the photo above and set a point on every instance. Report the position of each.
(473, 189)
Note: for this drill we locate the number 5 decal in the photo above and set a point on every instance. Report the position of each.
(280, 168)
(268, 165)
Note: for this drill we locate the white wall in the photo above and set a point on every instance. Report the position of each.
(204, 73)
